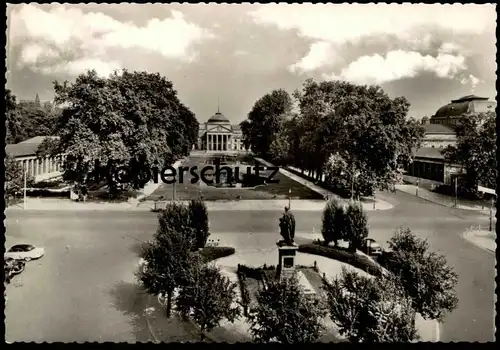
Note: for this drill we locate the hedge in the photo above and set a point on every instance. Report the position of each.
(355, 260)
(213, 253)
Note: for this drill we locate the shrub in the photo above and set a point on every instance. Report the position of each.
(285, 314)
(212, 253)
(353, 259)
(176, 215)
(425, 276)
(208, 299)
(370, 309)
(250, 272)
(199, 221)
(356, 225)
(245, 294)
(334, 222)
(168, 260)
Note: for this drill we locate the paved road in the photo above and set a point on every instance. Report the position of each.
(83, 288)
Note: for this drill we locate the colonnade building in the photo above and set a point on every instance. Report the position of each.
(40, 168)
(219, 135)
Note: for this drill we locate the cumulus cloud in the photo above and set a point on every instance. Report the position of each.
(66, 38)
(320, 54)
(471, 80)
(408, 27)
(378, 69)
(341, 23)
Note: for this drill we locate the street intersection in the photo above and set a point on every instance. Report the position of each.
(84, 289)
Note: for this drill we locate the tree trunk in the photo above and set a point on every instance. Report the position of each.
(169, 304)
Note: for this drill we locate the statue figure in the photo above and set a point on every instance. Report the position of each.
(287, 227)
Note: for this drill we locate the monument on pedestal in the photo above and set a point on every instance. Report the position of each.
(287, 248)
(287, 251)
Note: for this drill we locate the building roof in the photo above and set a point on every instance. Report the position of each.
(218, 118)
(26, 148)
(470, 98)
(466, 104)
(234, 127)
(428, 152)
(438, 129)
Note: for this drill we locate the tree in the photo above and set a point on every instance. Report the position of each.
(199, 221)
(13, 124)
(208, 299)
(14, 177)
(476, 150)
(128, 119)
(362, 124)
(169, 258)
(285, 314)
(425, 276)
(334, 222)
(356, 228)
(265, 121)
(369, 310)
(25, 120)
(280, 148)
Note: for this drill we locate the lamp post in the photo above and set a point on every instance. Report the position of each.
(456, 192)
(289, 198)
(173, 190)
(491, 213)
(416, 191)
(25, 173)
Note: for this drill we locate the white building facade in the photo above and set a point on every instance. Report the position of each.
(219, 135)
(40, 168)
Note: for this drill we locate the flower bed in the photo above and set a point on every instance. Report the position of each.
(213, 253)
(354, 259)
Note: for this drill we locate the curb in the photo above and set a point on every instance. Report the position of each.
(443, 205)
(466, 236)
(148, 323)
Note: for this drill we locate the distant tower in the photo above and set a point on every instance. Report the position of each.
(37, 101)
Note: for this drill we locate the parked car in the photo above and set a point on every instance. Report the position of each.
(24, 252)
(12, 267)
(371, 247)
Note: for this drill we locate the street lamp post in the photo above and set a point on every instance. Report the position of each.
(456, 191)
(491, 213)
(173, 190)
(24, 201)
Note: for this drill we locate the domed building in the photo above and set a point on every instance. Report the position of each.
(452, 112)
(429, 166)
(219, 135)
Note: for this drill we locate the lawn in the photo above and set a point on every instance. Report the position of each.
(187, 190)
(343, 255)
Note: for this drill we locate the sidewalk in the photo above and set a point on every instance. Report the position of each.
(442, 199)
(482, 238)
(58, 204)
(379, 204)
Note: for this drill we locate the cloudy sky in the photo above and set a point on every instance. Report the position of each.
(428, 53)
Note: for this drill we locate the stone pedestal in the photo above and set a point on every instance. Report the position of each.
(286, 260)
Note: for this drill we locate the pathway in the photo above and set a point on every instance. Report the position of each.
(379, 204)
(441, 199)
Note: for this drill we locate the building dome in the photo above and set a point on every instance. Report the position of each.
(218, 118)
(466, 104)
